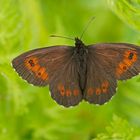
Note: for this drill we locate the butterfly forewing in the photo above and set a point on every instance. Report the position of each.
(106, 64)
(37, 66)
(129, 65)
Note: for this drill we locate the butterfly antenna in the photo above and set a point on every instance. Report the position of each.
(62, 37)
(86, 27)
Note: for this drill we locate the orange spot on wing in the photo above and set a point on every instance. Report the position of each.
(30, 62)
(122, 67)
(105, 86)
(62, 92)
(61, 89)
(41, 73)
(127, 62)
(75, 92)
(98, 91)
(130, 57)
(68, 92)
(35, 68)
(45, 76)
(90, 91)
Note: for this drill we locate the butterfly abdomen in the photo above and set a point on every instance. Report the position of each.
(83, 70)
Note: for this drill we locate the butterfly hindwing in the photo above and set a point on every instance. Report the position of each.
(64, 85)
(106, 64)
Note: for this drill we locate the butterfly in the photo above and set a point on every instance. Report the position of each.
(83, 72)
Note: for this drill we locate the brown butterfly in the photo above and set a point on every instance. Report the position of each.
(83, 72)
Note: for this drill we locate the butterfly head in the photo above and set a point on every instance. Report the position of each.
(78, 43)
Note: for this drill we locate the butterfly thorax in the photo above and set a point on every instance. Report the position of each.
(80, 48)
(81, 60)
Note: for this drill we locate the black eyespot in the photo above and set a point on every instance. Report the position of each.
(130, 55)
(31, 63)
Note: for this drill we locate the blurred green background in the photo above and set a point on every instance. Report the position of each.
(28, 112)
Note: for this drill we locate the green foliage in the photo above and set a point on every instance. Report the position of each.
(28, 112)
(119, 129)
(129, 11)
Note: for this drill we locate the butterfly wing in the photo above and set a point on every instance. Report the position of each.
(37, 66)
(64, 85)
(107, 63)
(54, 66)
